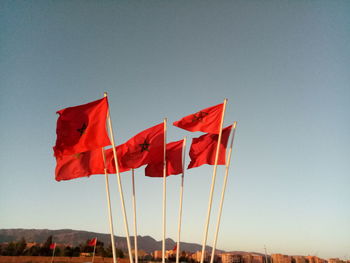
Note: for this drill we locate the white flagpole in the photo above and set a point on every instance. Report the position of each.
(213, 184)
(134, 208)
(228, 161)
(181, 197)
(53, 252)
(119, 184)
(164, 193)
(109, 208)
(93, 255)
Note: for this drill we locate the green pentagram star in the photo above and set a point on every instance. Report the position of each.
(144, 146)
(82, 129)
(199, 116)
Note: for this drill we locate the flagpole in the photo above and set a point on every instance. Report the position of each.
(213, 184)
(223, 192)
(93, 255)
(164, 192)
(119, 184)
(109, 208)
(181, 197)
(134, 208)
(53, 252)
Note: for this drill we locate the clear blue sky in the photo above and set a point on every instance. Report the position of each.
(283, 65)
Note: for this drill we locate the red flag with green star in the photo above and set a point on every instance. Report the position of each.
(85, 164)
(82, 128)
(145, 147)
(173, 159)
(207, 120)
(203, 149)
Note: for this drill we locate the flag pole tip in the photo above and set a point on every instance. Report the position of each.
(105, 94)
(234, 124)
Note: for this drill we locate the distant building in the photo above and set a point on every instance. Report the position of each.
(279, 258)
(314, 259)
(253, 258)
(140, 253)
(197, 256)
(336, 260)
(32, 244)
(157, 254)
(231, 258)
(299, 259)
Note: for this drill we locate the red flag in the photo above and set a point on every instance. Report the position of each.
(52, 246)
(82, 128)
(85, 164)
(145, 147)
(207, 120)
(173, 159)
(175, 248)
(203, 149)
(92, 242)
(110, 159)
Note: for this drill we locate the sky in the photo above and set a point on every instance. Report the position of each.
(282, 65)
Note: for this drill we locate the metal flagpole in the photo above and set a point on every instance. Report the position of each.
(109, 208)
(164, 192)
(265, 254)
(119, 184)
(93, 255)
(213, 183)
(181, 197)
(134, 208)
(53, 252)
(228, 161)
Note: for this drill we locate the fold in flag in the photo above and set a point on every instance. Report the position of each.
(85, 164)
(203, 149)
(173, 159)
(92, 242)
(145, 147)
(82, 128)
(121, 149)
(207, 120)
(52, 246)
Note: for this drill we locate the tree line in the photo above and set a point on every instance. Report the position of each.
(20, 248)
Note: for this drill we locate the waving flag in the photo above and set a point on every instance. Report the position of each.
(203, 149)
(82, 128)
(145, 147)
(85, 164)
(52, 245)
(92, 242)
(173, 158)
(207, 120)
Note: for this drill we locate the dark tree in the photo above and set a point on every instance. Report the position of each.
(20, 246)
(10, 249)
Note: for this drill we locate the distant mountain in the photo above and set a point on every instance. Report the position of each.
(76, 237)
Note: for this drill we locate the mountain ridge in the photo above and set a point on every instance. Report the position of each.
(75, 237)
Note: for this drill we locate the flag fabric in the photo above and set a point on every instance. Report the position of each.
(175, 248)
(53, 246)
(82, 128)
(85, 164)
(145, 147)
(110, 160)
(203, 149)
(173, 159)
(207, 120)
(79, 165)
(92, 242)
